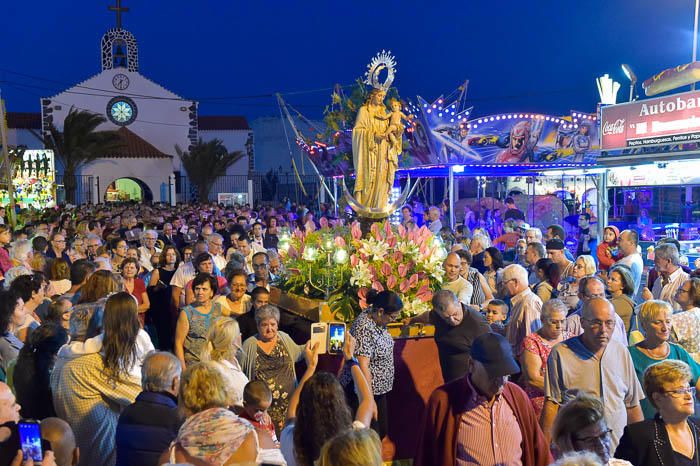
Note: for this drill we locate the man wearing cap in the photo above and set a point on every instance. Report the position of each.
(482, 418)
(557, 231)
(594, 362)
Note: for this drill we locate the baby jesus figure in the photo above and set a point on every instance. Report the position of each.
(395, 130)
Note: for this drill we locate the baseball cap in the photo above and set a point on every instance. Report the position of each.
(555, 244)
(494, 352)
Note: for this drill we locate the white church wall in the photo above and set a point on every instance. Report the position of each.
(152, 171)
(163, 121)
(234, 140)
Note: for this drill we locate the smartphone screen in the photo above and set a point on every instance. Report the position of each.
(30, 440)
(318, 336)
(336, 337)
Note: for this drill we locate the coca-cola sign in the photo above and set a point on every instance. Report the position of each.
(673, 119)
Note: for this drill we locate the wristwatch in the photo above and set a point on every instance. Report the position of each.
(352, 362)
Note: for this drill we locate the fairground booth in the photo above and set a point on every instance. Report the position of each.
(650, 151)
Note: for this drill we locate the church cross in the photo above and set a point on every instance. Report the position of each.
(118, 9)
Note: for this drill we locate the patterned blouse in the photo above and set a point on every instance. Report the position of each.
(277, 371)
(538, 346)
(197, 334)
(375, 343)
(686, 331)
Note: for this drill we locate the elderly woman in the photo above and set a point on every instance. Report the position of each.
(211, 434)
(270, 356)
(686, 322)
(21, 253)
(672, 436)
(655, 320)
(580, 426)
(481, 290)
(222, 346)
(568, 291)
(375, 352)
(195, 319)
(237, 302)
(621, 288)
(536, 349)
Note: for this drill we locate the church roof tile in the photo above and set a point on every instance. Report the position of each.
(134, 146)
(222, 122)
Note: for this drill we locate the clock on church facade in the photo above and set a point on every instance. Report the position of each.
(121, 111)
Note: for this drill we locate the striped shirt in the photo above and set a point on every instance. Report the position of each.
(666, 290)
(488, 435)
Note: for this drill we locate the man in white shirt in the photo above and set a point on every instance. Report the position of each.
(629, 239)
(454, 282)
(435, 223)
(148, 249)
(215, 242)
(671, 275)
(525, 307)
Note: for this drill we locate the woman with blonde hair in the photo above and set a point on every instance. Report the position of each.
(211, 433)
(568, 288)
(222, 346)
(655, 319)
(672, 436)
(352, 448)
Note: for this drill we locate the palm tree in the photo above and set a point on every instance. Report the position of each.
(80, 144)
(205, 162)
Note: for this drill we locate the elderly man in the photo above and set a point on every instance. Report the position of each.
(215, 243)
(629, 239)
(456, 327)
(671, 275)
(148, 249)
(482, 418)
(525, 307)
(477, 247)
(533, 235)
(454, 282)
(93, 243)
(146, 428)
(434, 217)
(598, 364)
(589, 288)
(534, 252)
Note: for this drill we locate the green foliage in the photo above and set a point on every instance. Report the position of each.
(80, 144)
(205, 162)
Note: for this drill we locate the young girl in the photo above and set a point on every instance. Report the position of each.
(607, 251)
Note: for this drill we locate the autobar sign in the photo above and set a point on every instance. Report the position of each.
(673, 119)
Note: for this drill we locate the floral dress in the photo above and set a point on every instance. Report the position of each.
(538, 346)
(277, 371)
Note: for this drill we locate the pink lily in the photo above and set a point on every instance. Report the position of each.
(391, 282)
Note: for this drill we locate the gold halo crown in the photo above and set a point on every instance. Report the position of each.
(381, 61)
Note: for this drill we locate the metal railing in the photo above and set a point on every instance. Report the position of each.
(83, 189)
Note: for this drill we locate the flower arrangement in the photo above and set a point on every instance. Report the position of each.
(340, 265)
(408, 262)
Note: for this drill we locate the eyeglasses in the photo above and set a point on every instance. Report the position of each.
(680, 392)
(598, 324)
(602, 437)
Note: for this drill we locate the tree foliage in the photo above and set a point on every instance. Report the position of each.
(205, 162)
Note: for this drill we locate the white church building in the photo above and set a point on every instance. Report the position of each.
(151, 121)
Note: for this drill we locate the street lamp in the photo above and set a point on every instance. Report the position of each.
(632, 77)
(607, 89)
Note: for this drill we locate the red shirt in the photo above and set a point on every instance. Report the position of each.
(137, 292)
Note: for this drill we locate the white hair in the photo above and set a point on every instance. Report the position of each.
(515, 272)
(20, 250)
(15, 272)
(537, 231)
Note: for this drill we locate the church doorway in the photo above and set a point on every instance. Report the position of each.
(128, 189)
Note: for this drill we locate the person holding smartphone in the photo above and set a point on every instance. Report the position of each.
(375, 353)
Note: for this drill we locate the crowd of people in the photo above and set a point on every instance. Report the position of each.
(144, 335)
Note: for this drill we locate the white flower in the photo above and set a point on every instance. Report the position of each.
(374, 249)
(407, 248)
(361, 275)
(413, 307)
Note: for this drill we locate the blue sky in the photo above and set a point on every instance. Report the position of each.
(539, 55)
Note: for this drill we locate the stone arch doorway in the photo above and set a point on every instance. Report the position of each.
(128, 189)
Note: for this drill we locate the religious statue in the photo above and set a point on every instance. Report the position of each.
(376, 143)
